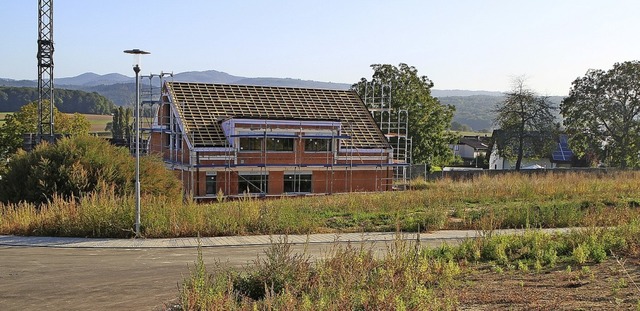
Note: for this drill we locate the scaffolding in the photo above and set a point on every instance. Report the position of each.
(150, 104)
(394, 124)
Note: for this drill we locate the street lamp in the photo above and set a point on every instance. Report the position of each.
(136, 68)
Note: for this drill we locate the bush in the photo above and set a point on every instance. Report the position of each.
(580, 254)
(280, 270)
(77, 166)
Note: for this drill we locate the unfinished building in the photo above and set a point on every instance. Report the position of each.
(269, 141)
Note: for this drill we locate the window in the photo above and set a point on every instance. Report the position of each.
(211, 185)
(280, 144)
(297, 183)
(253, 183)
(317, 145)
(250, 144)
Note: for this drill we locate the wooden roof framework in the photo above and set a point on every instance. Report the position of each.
(203, 106)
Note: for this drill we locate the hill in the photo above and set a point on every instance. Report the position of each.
(209, 76)
(18, 83)
(476, 111)
(473, 108)
(69, 101)
(460, 93)
(120, 89)
(91, 79)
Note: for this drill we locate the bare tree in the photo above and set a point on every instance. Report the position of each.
(526, 123)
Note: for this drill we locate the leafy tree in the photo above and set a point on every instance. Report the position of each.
(69, 101)
(121, 125)
(457, 126)
(76, 166)
(602, 114)
(127, 125)
(76, 124)
(116, 124)
(526, 124)
(26, 121)
(428, 119)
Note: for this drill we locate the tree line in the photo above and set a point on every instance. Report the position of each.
(66, 101)
(601, 116)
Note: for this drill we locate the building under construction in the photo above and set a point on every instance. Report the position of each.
(271, 141)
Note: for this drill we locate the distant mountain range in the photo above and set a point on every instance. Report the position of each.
(89, 80)
(473, 107)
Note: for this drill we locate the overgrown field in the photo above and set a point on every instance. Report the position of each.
(485, 203)
(584, 268)
(408, 277)
(98, 121)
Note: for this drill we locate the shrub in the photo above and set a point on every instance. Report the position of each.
(77, 166)
(580, 254)
(279, 270)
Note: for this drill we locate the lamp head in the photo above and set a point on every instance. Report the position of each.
(136, 57)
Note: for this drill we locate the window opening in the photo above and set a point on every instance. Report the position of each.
(211, 185)
(253, 183)
(250, 144)
(280, 144)
(297, 183)
(317, 145)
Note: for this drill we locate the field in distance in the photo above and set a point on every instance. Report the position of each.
(98, 121)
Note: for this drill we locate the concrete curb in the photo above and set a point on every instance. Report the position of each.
(257, 240)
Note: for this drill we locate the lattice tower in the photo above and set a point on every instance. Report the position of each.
(45, 71)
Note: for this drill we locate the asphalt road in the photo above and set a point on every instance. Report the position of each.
(43, 278)
(92, 274)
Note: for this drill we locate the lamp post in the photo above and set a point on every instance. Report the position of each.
(136, 68)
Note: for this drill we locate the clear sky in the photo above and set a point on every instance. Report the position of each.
(459, 44)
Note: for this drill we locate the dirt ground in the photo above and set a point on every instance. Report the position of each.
(610, 285)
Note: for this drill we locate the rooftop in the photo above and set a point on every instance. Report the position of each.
(202, 107)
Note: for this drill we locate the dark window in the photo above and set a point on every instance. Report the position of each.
(317, 145)
(253, 183)
(211, 184)
(297, 183)
(280, 144)
(167, 139)
(250, 144)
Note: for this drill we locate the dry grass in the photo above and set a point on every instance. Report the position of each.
(408, 277)
(485, 203)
